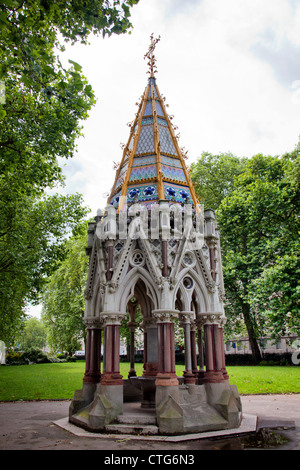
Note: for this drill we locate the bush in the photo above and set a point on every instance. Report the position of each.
(56, 360)
(269, 359)
(71, 359)
(61, 356)
(35, 355)
(15, 358)
(239, 360)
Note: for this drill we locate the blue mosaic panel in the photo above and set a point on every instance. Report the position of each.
(145, 192)
(146, 160)
(158, 108)
(171, 161)
(166, 143)
(115, 200)
(162, 122)
(146, 141)
(130, 145)
(177, 192)
(148, 110)
(173, 173)
(146, 121)
(143, 173)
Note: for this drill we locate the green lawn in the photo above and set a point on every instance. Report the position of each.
(59, 381)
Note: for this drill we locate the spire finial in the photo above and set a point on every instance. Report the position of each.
(150, 55)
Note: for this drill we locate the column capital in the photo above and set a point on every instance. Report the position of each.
(186, 317)
(112, 318)
(165, 315)
(208, 318)
(93, 323)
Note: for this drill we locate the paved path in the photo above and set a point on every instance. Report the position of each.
(29, 426)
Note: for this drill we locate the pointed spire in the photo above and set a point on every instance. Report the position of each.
(153, 165)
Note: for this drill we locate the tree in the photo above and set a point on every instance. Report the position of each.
(259, 223)
(63, 297)
(33, 335)
(31, 244)
(258, 215)
(276, 293)
(41, 109)
(213, 177)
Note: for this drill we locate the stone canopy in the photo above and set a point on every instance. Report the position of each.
(156, 249)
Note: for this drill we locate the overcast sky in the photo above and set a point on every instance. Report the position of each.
(230, 72)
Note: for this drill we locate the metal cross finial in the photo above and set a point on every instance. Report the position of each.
(150, 55)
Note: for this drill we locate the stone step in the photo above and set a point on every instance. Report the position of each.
(137, 418)
(120, 428)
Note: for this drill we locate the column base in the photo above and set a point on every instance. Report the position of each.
(200, 377)
(92, 378)
(111, 379)
(213, 377)
(150, 369)
(131, 373)
(166, 379)
(188, 377)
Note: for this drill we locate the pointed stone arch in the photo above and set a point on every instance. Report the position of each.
(126, 289)
(198, 290)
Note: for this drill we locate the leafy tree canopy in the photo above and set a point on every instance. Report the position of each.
(213, 177)
(42, 106)
(63, 297)
(259, 223)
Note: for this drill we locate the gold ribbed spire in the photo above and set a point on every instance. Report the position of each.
(152, 167)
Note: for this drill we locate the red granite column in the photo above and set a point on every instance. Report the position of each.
(201, 372)
(92, 355)
(193, 350)
(166, 375)
(111, 360)
(213, 356)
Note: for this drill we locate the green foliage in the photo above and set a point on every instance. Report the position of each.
(33, 239)
(15, 358)
(31, 355)
(33, 335)
(42, 107)
(35, 355)
(260, 229)
(63, 297)
(213, 177)
(258, 215)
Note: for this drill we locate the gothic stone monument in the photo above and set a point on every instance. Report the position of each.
(155, 247)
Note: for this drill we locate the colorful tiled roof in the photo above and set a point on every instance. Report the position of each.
(153, 166)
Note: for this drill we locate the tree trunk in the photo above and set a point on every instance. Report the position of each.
(251, 333)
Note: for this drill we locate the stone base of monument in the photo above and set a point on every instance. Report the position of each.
(197, 408)
(106, 405)
(181, 409)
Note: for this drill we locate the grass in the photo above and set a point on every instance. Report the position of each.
(59, 381)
